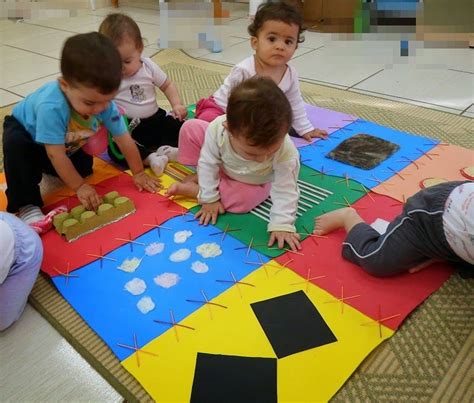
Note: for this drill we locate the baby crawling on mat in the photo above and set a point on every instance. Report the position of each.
(437, 223)
(243, 157)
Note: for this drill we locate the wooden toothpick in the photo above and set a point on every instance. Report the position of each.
(66, 275)
(236, 282)
(206, 301)
(342, 299)
(101, 257)
(182, 213)
(380, 182)
(322, 172)
(174, 324)
(224, 233)
(365, 191)
(157, 226)
(391, 170)
(247, 247)
(379, 320)
(411, 161)
(346, 179)
(136, 349)
(130, 241)
(427, 153)
(282, 266)
(308, 280)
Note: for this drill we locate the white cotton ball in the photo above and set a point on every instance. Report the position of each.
(154, 248)
(180, 255)
(130, 265)
(182, 236)
(167, 280)
(136, 286)
(145, 305)
(199, 267)
(209, 250)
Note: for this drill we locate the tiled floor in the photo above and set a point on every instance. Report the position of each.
(441, 79)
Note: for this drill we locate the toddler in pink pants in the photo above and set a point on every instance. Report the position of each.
(243, 157)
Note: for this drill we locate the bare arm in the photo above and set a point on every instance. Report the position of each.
(171, 92)
(68, 173)
(130, 152)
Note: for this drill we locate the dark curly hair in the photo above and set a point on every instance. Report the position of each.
(92, 60)
(277, 11)
(258, 110)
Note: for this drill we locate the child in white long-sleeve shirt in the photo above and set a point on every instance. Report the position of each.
(243, 157)
(275, 34)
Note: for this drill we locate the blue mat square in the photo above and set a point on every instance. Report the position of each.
(98, 294)
(411, 148)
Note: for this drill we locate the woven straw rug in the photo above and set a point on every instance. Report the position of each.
(429, 359)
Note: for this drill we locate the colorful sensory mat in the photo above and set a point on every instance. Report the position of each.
(211, 314)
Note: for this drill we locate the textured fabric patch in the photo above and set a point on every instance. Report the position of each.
(363, 151)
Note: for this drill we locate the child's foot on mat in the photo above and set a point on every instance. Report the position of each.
(170, 152)
(334, 220)
(157, 163)
(45, 224)
(189, 189)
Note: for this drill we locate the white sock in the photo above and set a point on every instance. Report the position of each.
(30, 214)
(170, 152)
(157, 163)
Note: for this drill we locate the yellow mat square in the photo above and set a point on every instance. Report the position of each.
(311, 375)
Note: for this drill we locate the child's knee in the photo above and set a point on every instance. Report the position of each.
(193, 128)
(376, 267)
(5, 324)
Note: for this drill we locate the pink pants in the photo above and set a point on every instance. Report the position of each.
(208, 110)
(236, 197)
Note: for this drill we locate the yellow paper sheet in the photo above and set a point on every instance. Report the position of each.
(312, 375)
(166, 182)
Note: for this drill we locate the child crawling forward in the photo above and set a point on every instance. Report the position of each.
(437, 223)
(243, 157)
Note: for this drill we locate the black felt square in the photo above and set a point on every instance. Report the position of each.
(363, 151)
(228, 378)
(292, 324)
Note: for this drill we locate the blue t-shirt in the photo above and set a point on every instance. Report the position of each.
(48, 117)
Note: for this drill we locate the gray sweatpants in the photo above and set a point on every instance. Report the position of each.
(412, 238)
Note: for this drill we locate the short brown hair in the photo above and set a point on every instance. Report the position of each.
(120, 26)
(277, 11)
(91, 60)
(259, 110)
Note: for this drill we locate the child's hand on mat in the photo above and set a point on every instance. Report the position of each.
(323, 134)
(209, 212)
(291, 238)
(88, 197)
(179, 112)
(145, 182)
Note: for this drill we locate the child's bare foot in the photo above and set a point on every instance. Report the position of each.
(189, 189)
(345, 218)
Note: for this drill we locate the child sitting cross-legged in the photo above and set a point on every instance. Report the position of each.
(47, 130)
(243, 157)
